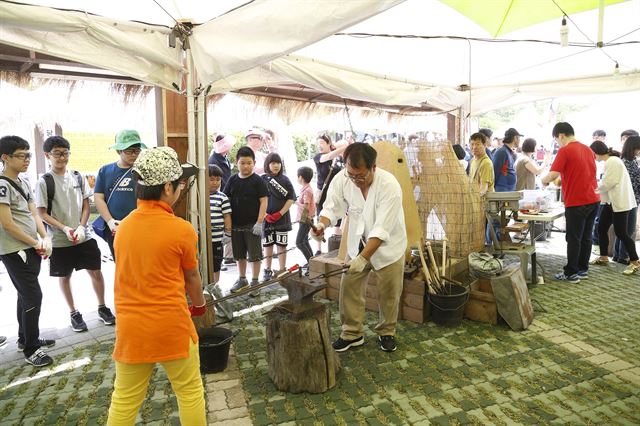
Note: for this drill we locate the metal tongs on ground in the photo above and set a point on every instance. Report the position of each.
(250, 289)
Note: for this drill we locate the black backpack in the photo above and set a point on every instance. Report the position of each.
(51, 187)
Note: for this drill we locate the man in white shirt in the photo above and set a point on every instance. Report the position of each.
(376, 242)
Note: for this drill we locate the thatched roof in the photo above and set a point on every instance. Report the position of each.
(292, 102)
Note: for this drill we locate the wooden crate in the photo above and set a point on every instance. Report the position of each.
(412, 300)
(482, 303)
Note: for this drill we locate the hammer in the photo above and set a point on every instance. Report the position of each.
(304, 218)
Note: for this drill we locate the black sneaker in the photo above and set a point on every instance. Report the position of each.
(255, 282)
(341, 345)
(106, 316)
(267, 274)
(228, 261)
(3, 341)
(44, 343)
(387, 343)
(77, 323)
(39, 359)
(239, 285)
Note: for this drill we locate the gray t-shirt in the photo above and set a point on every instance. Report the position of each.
(20, 213)
(67, 204)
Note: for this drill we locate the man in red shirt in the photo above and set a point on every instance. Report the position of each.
(576, 166)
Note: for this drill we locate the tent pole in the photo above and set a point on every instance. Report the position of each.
(192, 156)
(203, 199)
(600, 22)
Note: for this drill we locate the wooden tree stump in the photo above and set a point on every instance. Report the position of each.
(299, 351)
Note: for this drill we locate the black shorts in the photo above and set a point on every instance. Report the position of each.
(279, 238)
(217, 252)
(243, 243)
(64, 260)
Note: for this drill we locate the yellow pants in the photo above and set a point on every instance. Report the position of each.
(352, 300)
(132, 380)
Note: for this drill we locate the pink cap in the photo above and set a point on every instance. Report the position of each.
(224, 145)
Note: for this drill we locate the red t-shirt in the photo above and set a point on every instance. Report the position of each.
(577, 167)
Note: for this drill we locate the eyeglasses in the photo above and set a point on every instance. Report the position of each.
(22, 156)
(58, 154)
(357, 178)
(132, 151)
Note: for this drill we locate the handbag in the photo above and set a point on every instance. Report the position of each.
(100, 227)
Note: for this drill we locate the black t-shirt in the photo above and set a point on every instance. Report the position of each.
(244, 195)
(322, 169)
(280, 190)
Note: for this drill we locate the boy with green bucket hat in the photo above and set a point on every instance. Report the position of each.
(114, 192)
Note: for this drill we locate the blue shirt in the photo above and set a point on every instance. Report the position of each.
(123, 200)
(504, 169)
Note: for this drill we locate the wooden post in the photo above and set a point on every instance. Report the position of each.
(171, 116)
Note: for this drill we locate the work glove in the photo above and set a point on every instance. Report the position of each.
(113, 225)
(226, 238)
(81, 234)
(257, 229)
(273, 217)
(318, 234)
(357, 265)
(70, 233)
(47, 247)
(197, 311)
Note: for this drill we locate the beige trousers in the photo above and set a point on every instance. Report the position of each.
(352, 300)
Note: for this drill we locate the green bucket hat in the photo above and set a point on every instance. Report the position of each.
(127, 138)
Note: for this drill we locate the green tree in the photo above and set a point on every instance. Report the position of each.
(305, 148)
(498, 118)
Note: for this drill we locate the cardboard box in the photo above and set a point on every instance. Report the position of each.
(412, 300)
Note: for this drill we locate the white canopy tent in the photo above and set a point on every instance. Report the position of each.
(407, 52)
(413, 52)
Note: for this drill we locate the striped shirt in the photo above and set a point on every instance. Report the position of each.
(218, 206)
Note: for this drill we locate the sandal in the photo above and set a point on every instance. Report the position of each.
(631, 269)
(599, 261)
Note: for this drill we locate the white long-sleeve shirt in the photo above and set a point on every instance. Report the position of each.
(615, 187)
(380, 215)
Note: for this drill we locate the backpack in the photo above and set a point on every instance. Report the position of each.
(51, 187)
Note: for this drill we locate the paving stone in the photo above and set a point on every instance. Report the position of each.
(216, 400)
(235, 397)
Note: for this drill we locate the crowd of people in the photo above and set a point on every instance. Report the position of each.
(250, 213)
(590, 198)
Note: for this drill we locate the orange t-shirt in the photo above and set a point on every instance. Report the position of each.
(153, 248)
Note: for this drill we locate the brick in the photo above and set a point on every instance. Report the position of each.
(216, 400)
(228, 414)
(235, 397)
(617, 365)
(587, 347)
(222, 385)
(601, 359)
(629, 376)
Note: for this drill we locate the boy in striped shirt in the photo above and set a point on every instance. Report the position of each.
(220, 210)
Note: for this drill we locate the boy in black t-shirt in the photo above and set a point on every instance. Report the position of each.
(248, 194)
(278, 221)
